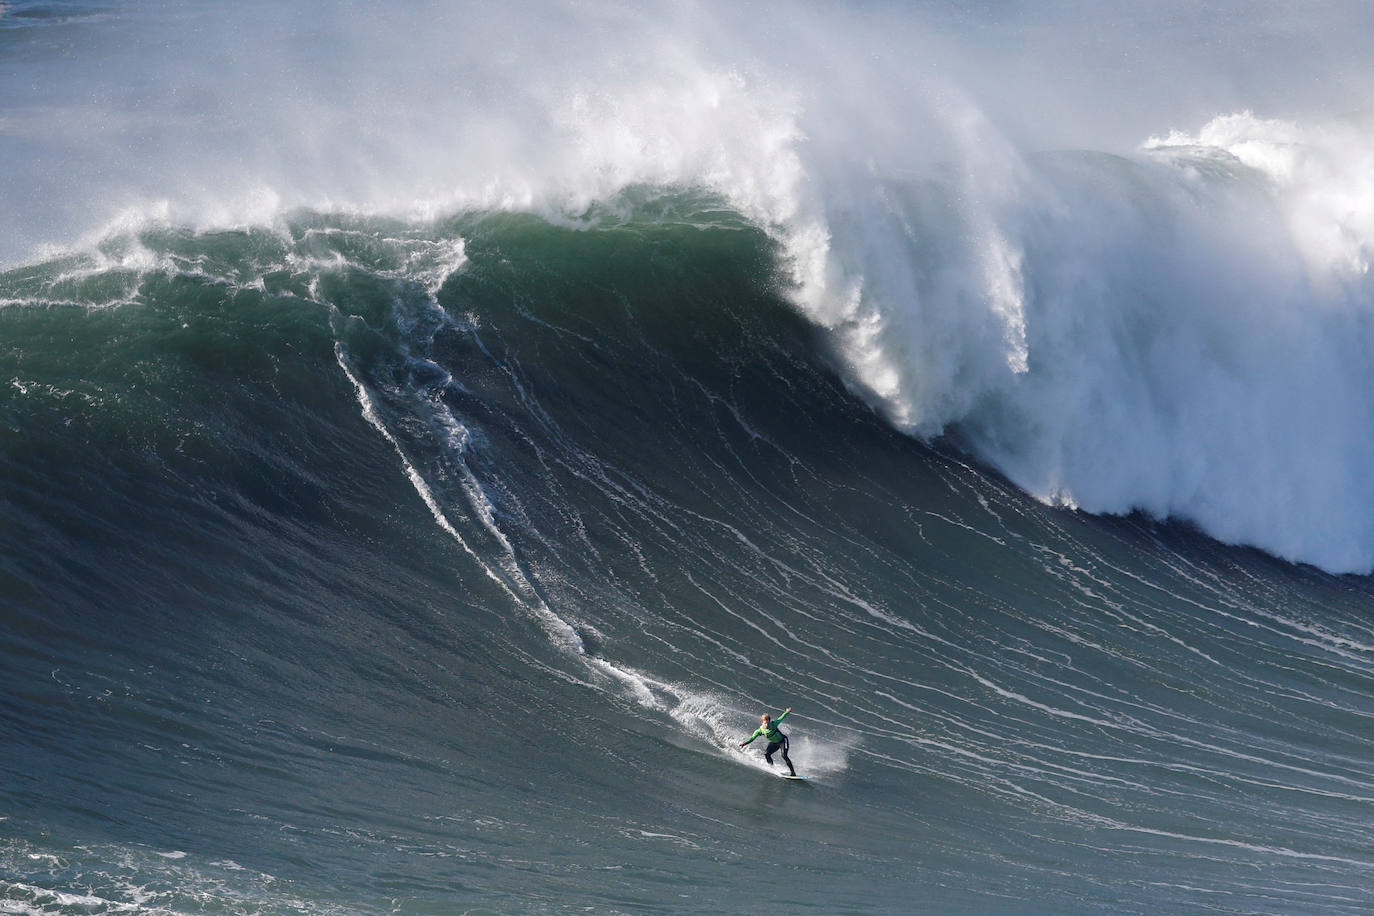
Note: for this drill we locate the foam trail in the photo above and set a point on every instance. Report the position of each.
(562, 633)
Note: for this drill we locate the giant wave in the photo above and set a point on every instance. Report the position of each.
(1181, 328)
(428, 445)
(475, 506)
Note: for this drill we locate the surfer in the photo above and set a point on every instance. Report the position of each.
(768, 729)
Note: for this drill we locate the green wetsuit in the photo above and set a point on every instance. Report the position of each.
(770, 733)
(776, 740)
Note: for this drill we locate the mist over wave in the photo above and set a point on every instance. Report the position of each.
(1178, 321)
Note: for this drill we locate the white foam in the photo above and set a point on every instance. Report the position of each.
(1188, 334)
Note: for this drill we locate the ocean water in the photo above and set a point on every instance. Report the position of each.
(430, 438)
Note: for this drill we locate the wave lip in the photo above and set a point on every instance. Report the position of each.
(1187, 331)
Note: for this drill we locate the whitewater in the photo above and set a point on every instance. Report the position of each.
(432, 436)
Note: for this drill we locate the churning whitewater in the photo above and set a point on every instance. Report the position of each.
(432, 438)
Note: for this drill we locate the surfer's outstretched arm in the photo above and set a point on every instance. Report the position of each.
(765, 728)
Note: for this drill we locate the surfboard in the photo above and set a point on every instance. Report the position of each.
(790, 776)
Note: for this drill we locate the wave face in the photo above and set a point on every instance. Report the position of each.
(356, 561)
(412, 488)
